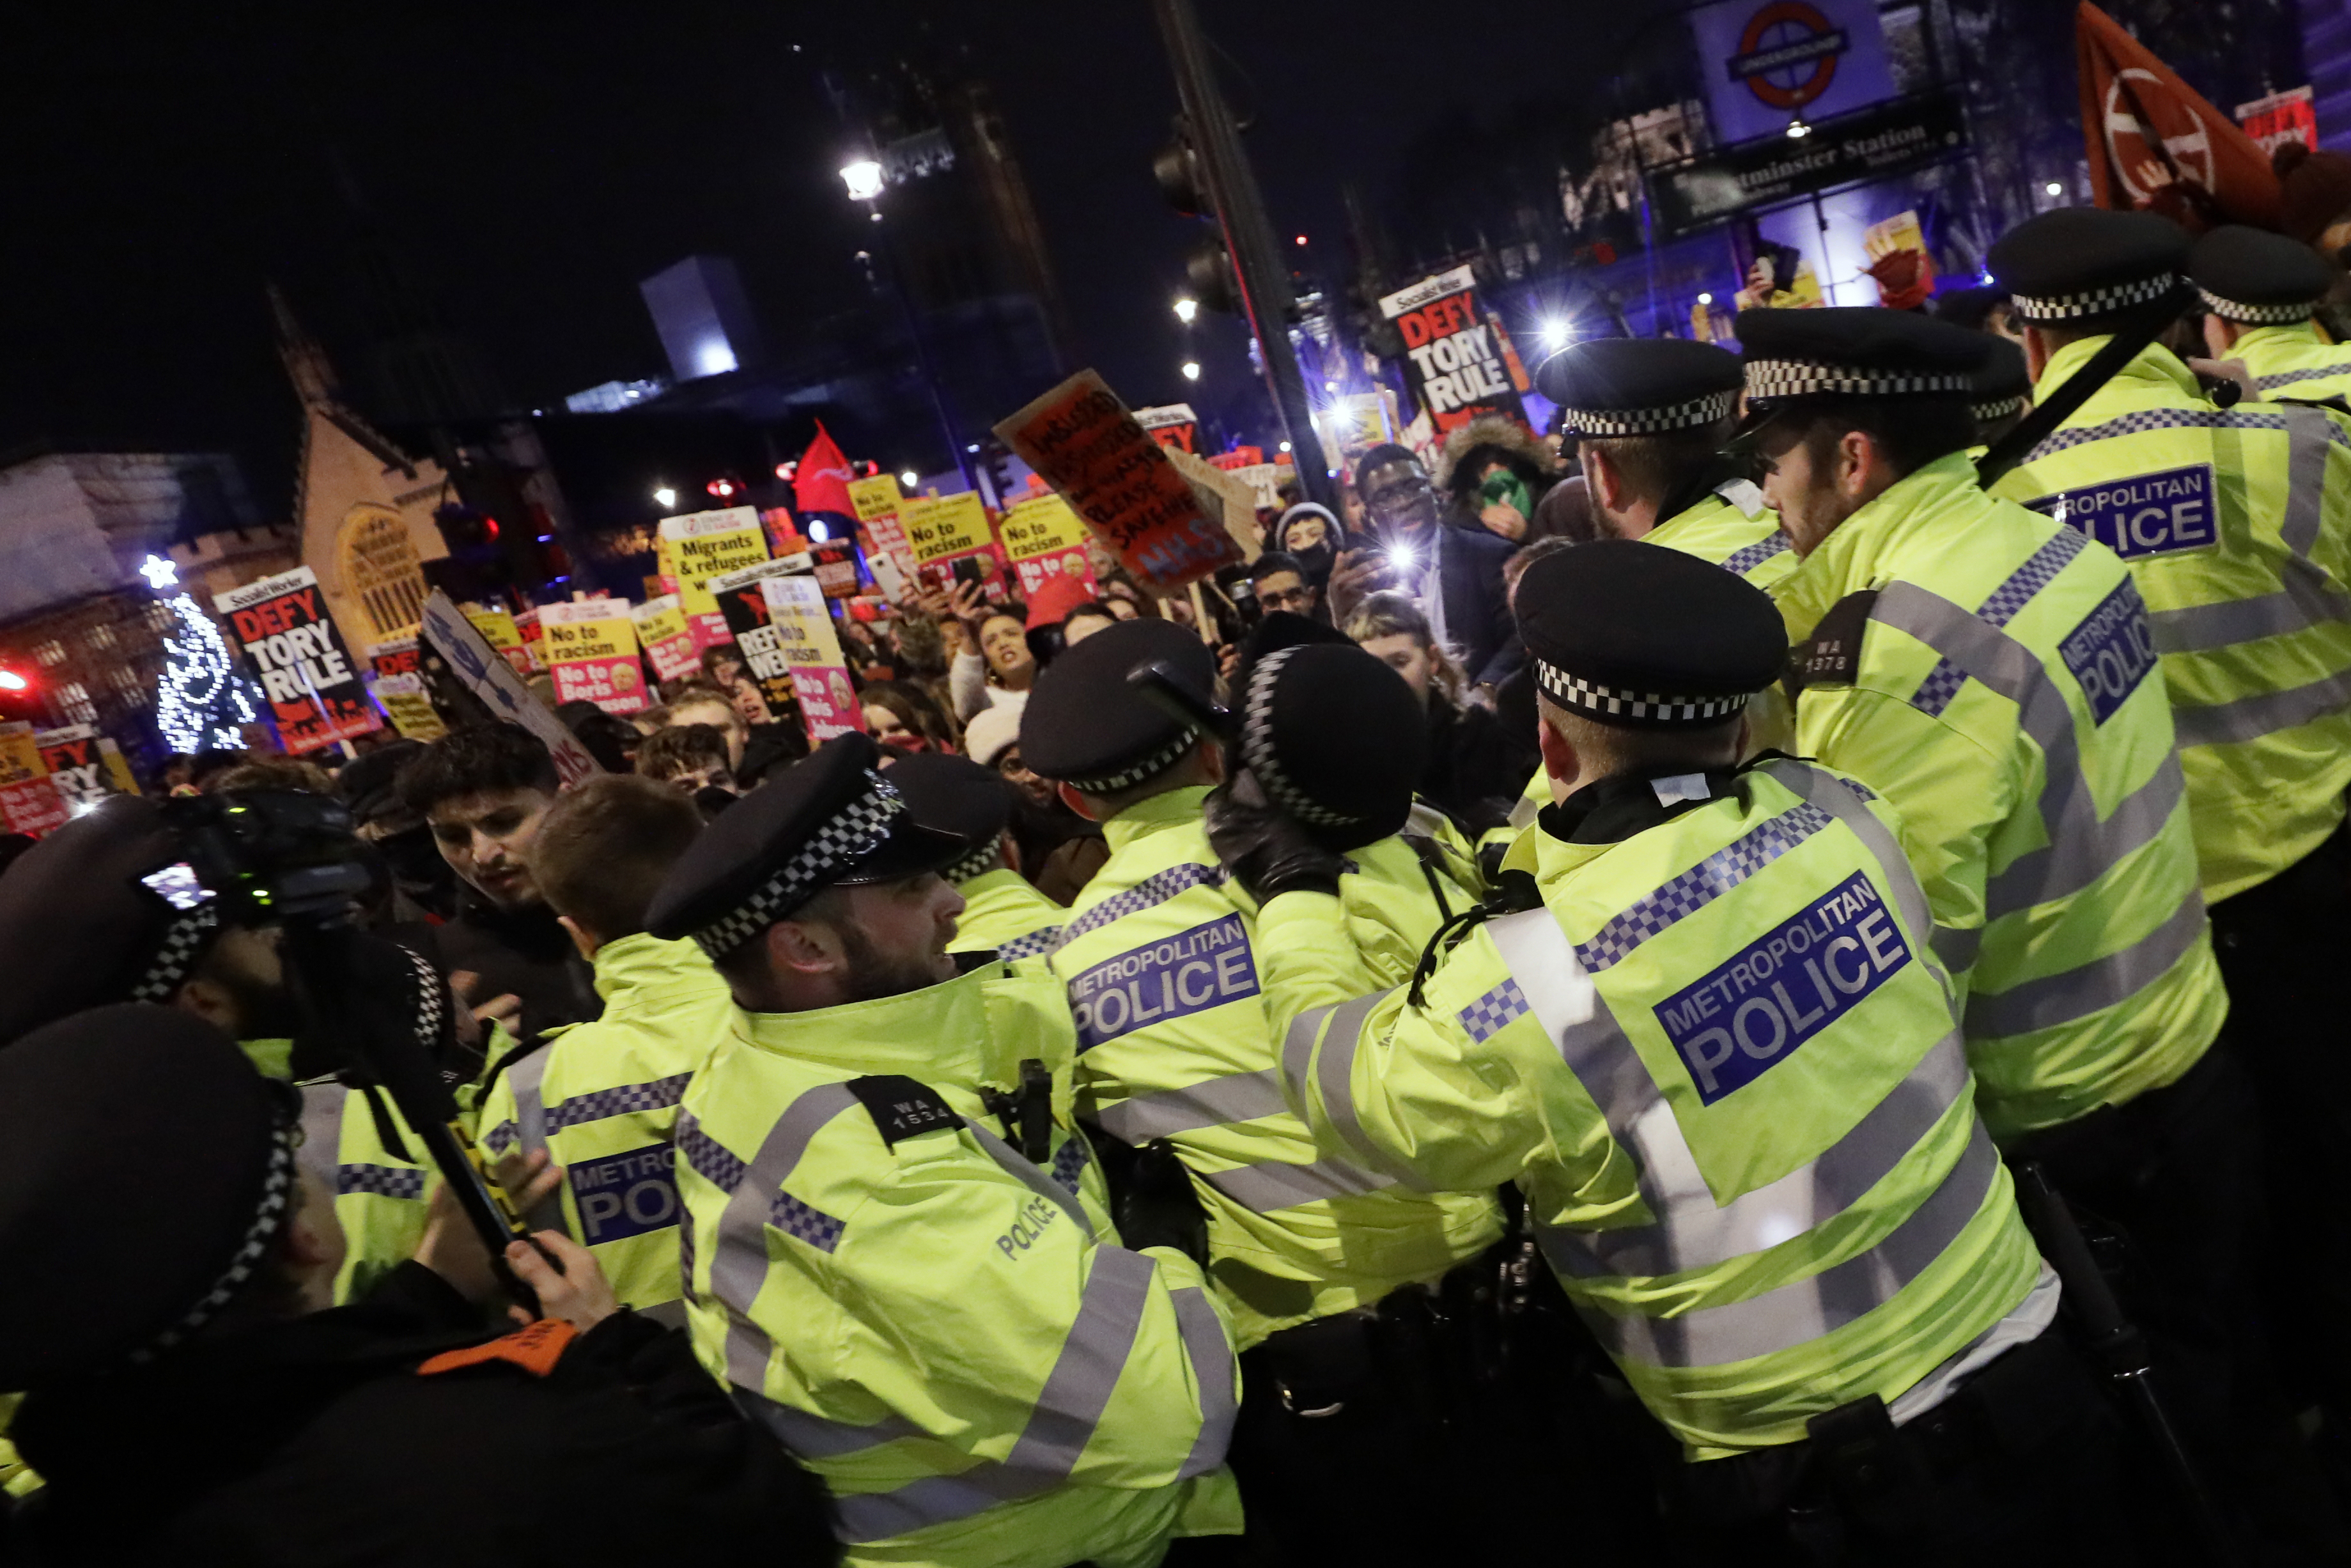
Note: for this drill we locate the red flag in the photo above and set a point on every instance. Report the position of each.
(2154, 143)
(821, 483)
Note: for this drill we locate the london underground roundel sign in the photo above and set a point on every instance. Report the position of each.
(1788, 53)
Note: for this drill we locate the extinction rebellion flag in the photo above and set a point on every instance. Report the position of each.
(291, 647)
(1461, 364)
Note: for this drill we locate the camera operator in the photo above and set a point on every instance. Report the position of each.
(195, 1398)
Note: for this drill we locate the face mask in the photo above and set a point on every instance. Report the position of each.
(1315, 558)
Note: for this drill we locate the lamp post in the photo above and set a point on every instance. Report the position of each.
(865, 180)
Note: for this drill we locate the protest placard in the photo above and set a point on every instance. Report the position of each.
(943, 530)
(491, 678)
(291, 646)
(498, 630)
(1115, 476)
(87, 765)
(30, 800)
(1454, 358)
(590, 648)
(395, 656)
(694, 548)
(1043, 539)
(1171, 424)
(744, 605)
(409, 706)
(805, 636)
(666, 638)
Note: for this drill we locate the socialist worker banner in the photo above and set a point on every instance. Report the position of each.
(87, 766)
(292, 648)
(744, 605)
(1459, 363)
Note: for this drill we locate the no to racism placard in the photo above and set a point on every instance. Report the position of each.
(805, 636)
(591, 649)
(667, 640)
(292, 648)
(1044, 539)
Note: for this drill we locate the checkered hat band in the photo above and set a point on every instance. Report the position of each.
(1604, 703)
(1695, 414)
(2091, 302)
(1808, 378)
(1134, 773)
(855, 832)
(184, 945)
(2257, 315)
(1256, 747)
(277, 1199)
(1999, 408)
(982, 858)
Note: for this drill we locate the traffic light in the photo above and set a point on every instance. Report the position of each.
(1209, 269)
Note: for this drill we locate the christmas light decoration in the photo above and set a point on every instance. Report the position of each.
(200, 701)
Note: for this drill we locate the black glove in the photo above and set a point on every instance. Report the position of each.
(1159, 1208)
(1269, 850)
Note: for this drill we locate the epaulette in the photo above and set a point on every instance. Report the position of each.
(902, 1107)
(1830, 656)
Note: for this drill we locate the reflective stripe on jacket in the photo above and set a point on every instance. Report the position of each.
(1725, 1066)
(601, 1098)
(1003, 913)
(1167, 988)
(947, 1333)
(2294, 362)
(381, 1198)
(2237, 526)
(2003, 694)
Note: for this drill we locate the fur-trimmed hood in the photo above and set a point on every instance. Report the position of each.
(1486, 438)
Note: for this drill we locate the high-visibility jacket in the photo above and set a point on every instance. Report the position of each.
(1732, 529)
(2236, 525)
(380, 1197)
(601, 1098)
(1989, 673)
(2294, 362)
(1004, 913)
(1724, 1065)
(949, 1334)
(1174, 1042)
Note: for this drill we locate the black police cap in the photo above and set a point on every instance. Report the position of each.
(1086, 727)
(1336, 738)
(1641, 637)
(2078, 264)
(2254, 276)
(831, 820)
(1856, 352)
(2004, 383)
(84, 919)
(956, 795)
(1640, 386)
(136, 1111)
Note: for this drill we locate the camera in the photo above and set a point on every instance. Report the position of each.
(266, 856)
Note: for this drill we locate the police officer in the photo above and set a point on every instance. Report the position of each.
(106, 910)
(898, 1248)
(196, 1397)
(1003, 913)
(600, 1099)
(1165, 980)
(1991, 673)
(2236, 525)
(1717, 1052)
(2261, 295)
(2002, 394)
(1650, 417)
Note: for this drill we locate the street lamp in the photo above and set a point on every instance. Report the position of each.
(863, 179)
(1187, 311)
(665, 497)
(1191, 369)
(910, 478)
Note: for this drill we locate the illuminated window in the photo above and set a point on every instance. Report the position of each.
(74, 697)
(380, 566)
(50, 653)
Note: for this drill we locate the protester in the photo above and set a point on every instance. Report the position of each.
(1088, 619)
(196, 1397)
(1309, 535)
(1281, 587)
(484, 789)
(1494, 474)
(903, 718)
(1456, 573)
(611, 740)
(689, 757)
(998, 667)
(1471, 770)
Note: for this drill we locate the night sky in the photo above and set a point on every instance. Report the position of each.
(533, 161)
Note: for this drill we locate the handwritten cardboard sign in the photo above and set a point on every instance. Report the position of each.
(1114, 476)
(492, 680)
